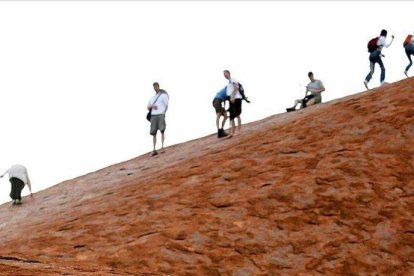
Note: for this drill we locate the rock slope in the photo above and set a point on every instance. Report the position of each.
(326, 190)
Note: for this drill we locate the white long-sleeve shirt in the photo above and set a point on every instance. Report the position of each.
(20, 172)
(383, 43)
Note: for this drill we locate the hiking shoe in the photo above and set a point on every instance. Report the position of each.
(290, 109)
(221, 133)
(154, 153)
(18, 202)
(366, 85)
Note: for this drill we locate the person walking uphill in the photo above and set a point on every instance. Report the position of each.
(409, 51)
(218, 102)
(232, 91)
(375, 46)
(157, 107)
(18, 178)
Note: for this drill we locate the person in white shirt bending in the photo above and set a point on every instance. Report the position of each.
(315, 87)
(18, 178)
(409, 51)
(158, 106)
(375, 56)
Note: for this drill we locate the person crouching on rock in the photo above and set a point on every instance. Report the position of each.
(18, 178)
(315, 87)
(219, 106)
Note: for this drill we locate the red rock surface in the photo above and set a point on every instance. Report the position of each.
(326, 190)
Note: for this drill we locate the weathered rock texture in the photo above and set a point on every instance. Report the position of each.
(326, 190)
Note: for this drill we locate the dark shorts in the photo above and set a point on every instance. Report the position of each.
(235, 109)
(306, 100)
(218, 106)
(16, 188)
(157, 123)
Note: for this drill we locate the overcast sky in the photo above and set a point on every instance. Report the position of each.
(75, 77)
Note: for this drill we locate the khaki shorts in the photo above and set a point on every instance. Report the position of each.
(317, 98)
(157, 123)
(218, 106)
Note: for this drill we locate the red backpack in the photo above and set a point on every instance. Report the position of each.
(407, 40)
(372, 44)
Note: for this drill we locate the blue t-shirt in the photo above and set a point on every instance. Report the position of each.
(222, 94)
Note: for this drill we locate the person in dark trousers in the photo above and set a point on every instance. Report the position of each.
(18, 177)
(232, 91)
(158, 106)
(409, 51)
(219, 106)
(375, 57)
(315, 87)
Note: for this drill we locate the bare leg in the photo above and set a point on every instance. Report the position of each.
(296, 103)
(233, 128)
(239, 123)
(218, 120)
(224, 120)
(162, 140)
(154, 141)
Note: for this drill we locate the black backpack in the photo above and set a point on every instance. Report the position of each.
(241, 90)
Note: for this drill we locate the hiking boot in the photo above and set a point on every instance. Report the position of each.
(221, 133)
(366, 85)
(290, 109)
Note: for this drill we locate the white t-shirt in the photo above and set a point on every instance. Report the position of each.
(230, 88)
(20, 172)
(314, 86)
(162, 103)
(382, 42)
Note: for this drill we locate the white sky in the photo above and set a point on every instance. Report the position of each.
(75, 77)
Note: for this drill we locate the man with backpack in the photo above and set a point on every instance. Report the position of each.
(18, 178)
(235, 97)
(157, 107)
(219, 106)
(315, 87)
(375, 46)
(409, 51)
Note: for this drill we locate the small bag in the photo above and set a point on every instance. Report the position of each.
(149, 115)
(149, 112)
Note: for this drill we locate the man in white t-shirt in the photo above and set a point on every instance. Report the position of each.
(18, 177)
(232, 91)
(158, 105)
(315, 87)
(375, 57)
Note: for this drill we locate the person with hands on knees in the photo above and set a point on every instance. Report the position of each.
(18, 177)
